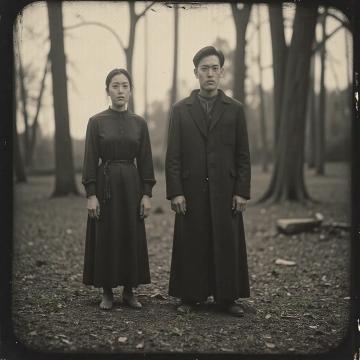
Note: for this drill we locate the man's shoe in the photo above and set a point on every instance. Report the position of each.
(131, 301)
(235, 310)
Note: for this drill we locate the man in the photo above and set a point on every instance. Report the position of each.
(208, 183)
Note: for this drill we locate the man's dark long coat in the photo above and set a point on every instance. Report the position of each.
(208, 165)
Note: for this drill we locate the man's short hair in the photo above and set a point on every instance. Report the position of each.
(207, 51)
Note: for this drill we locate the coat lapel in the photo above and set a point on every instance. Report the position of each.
(219, 108)
(197, 113)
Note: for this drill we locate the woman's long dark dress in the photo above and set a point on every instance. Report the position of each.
(116, 249)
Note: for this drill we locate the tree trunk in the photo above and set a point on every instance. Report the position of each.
(64, 172)
(349, 104)
(23, 97)
(241, 18)
(36, 117)
(320, 130)
(146, 28)
(262, 101)
(129, 51)
(176, 47)
(288, 178)
(20, 174)
(312, 116)
(279, 54)
(173, 94)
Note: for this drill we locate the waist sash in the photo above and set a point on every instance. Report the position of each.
(107, 164)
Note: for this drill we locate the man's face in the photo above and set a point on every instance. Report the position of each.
(209, 72)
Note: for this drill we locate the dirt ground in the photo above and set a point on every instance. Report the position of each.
(293, 309)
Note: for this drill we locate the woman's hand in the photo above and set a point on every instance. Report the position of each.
(93, 207)
(145, 207)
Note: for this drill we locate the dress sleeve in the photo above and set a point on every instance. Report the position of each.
(144, 162)
(91, 158)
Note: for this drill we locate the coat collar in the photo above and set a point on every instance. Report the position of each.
(197, 112)
(191, 99)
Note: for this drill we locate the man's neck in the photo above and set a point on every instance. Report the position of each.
(208, 94)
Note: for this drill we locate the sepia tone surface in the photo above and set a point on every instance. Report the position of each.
(302, 308)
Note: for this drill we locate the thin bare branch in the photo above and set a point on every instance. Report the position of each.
(345, 23)
(96, 23)
(327, 37)
(145, 10)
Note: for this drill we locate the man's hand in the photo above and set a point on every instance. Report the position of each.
(178, 204)
(238, 204)
(145, 207)
(93, 207)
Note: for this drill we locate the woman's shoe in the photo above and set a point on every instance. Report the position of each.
(106, 301)
(131, 301)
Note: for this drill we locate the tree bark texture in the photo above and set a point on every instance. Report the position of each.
(241, 18)
(64, 172)
(24, 97)
(279, 54)
(288, 178)
(312, 117)
(263, 128)
(320, 129)
(35, 123)
(19, 169)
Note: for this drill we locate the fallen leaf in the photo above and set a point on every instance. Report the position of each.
(285, 262)
(225, 349)
(270, 345)
(140, 345)
(313, 326)
(33, 333)
(122, 339)
(66, 341)
(158, 296)
(268, 316)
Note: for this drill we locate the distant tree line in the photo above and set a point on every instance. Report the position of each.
(300, 123)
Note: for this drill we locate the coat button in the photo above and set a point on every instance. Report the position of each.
(206, 179)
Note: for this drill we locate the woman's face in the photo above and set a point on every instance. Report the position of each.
(119, 91)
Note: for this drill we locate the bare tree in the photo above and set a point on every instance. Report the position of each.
(19, 169)
(287, 182)
(263, 128)
(173, 95)
(64, 172)
(34, 127)
(23, 97)
(146, 52)
(279, 54)
(173, 92)
(241, 14)
(129, 49)
(320, 123)
(311, 116)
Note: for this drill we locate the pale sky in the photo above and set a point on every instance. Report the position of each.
(93, 51)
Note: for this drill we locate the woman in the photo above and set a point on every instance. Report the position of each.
(118, 195)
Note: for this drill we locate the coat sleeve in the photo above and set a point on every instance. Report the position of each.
(243, 167)
(91, 158)
(173, 157)
(144, 161)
